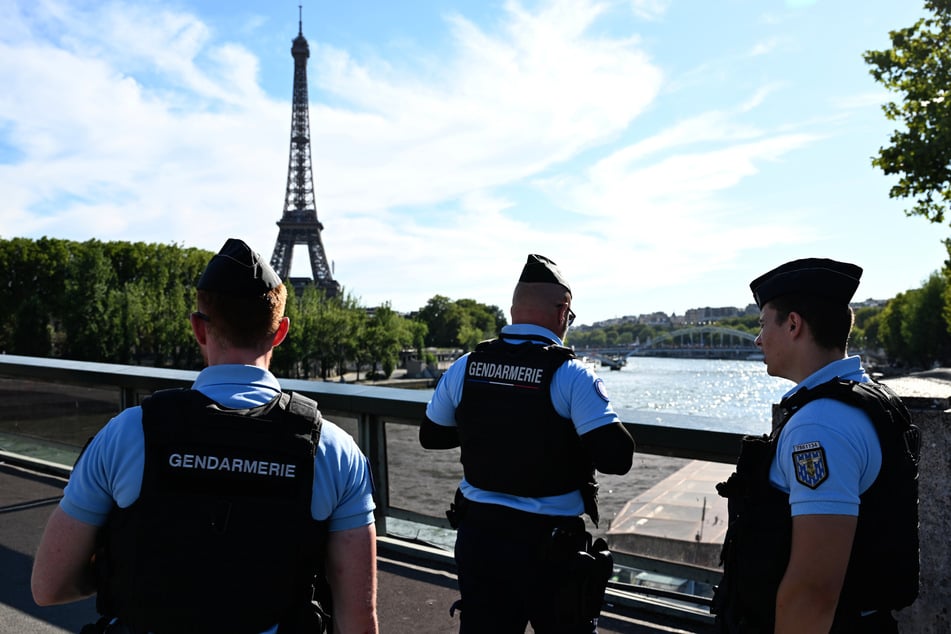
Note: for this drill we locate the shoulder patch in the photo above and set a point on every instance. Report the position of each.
(809, 461)
(601, 390)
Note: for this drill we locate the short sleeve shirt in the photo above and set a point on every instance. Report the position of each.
(828, 453)
(576, 394)
(111, 468)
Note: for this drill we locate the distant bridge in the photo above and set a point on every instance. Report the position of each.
(703, 342)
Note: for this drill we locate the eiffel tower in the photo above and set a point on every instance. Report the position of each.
(299, 224)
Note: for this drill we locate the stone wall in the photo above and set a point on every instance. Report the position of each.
(929, 402)
(931, 613)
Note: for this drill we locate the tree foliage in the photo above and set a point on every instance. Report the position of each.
(386, 335)
(122, 302)
(98, 301)
(460, 323)
(918, 67)
(617, 334)
(914, 328)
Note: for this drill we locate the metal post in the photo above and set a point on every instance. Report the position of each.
(372, 441)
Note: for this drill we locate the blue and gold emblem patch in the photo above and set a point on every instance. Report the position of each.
(810, 463)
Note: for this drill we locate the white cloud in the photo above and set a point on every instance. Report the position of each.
(764, 47)
(864, 100)
(649, 9)
(433, 174)
(503, 107)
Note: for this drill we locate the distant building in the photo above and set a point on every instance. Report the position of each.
(707, 315)
(869, 303)
(704, 315)
(654, 319)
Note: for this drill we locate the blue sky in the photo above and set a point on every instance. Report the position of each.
(663, 152)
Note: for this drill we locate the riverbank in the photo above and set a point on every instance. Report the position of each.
(934, 383)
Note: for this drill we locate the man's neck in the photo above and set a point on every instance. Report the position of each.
(820, 358)
(240, 356)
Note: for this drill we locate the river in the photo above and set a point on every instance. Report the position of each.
(722, 395)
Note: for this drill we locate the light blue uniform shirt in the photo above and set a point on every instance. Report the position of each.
(110, 469)
(828, 454)
(576, 393)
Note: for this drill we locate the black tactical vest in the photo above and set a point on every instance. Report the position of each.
(883, 566)
(513, 441)
(221, 538)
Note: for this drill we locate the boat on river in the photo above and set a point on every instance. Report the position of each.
(589, 362)
(614, 363)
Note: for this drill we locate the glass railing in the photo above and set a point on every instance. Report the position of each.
(50, 407)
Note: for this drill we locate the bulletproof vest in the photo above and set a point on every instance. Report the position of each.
(757, 546)
(221, 537)
(513, 441)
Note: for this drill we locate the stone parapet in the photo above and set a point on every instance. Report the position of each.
(931, 613)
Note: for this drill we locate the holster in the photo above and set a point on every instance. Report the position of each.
(105, 626)
(310, 617)
(589, 495)
(457, 509)
(583, 568)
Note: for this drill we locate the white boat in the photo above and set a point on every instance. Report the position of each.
(590, 363)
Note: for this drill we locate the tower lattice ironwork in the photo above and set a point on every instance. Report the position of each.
(299, 224)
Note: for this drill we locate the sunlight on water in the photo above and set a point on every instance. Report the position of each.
(733, 396)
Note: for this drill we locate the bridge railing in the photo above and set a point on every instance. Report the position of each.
(371, 410)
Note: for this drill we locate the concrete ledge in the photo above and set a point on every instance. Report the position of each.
(928, 397)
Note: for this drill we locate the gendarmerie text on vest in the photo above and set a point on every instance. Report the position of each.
(520, 373)
(234, 465)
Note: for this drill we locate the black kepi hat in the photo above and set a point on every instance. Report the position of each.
(810, 276)
(237, 270)
(538, 268)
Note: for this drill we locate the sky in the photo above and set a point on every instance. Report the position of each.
(663, 152)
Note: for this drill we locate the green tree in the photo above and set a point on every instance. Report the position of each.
(488, 320)
(131, 303)
(923, 326)
(912, 328)
(319, 323)
(864, 335)
(918, 67)
(386, 335)
(36, 278)
(334, 332)
(87, 317)
(418, 331)
(436, 314)
(286, 361)
(463, 322)
(889, 330)
(746, 323)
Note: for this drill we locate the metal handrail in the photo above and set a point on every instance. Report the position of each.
(373, 407)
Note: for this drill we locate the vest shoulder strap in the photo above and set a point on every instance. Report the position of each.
(882, 405)
(872, 396)
(303, 407)
(547, 344)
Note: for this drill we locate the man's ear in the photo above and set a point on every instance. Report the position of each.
(795, 324)
(198, 329)
(281, 333)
